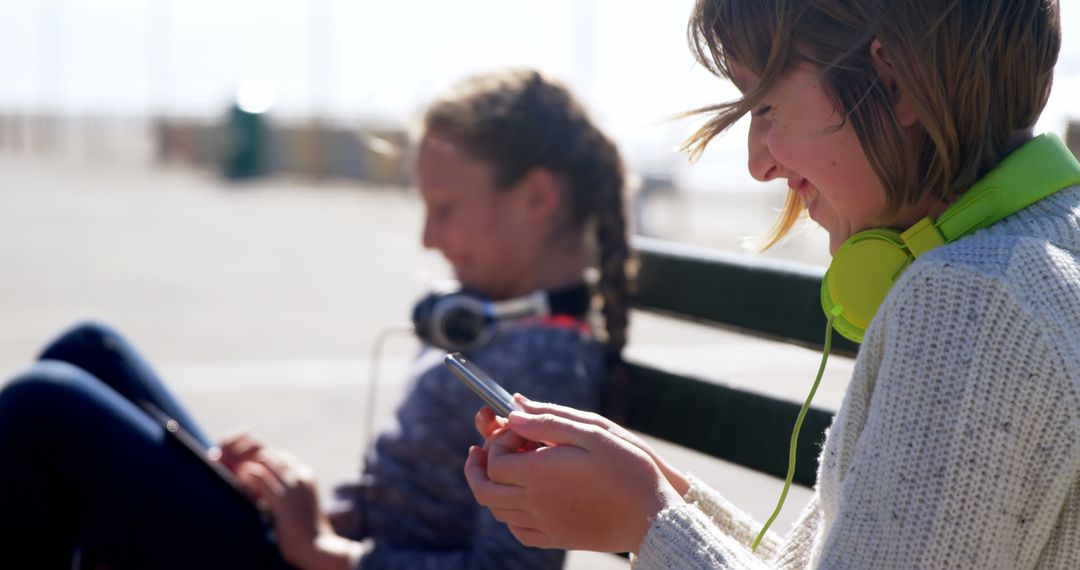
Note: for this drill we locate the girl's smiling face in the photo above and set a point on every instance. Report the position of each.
(476, 227)
(798, 134)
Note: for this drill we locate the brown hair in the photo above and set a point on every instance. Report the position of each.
(976, 73)
(518, 120)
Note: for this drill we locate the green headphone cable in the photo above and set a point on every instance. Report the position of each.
(836, 310)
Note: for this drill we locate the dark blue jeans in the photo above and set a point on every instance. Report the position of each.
(85, 469)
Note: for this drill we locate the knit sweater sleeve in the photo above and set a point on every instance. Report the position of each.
(730, 519)
(708, 531)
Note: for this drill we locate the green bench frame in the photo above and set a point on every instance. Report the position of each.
(751, 295)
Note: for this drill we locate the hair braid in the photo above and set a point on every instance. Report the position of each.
(601, 195)
(614, 259)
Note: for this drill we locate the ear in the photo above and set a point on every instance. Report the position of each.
(902, 104)
(540, 195)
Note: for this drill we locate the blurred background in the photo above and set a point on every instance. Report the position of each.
(227, 182)
(327, 89)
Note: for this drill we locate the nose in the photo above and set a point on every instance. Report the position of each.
(761, 163)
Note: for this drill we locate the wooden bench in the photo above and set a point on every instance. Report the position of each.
(755, 296)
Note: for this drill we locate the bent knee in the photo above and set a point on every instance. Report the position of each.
(81, 341)
(39, 389)
(89, 331)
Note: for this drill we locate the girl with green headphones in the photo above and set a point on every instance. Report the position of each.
(904, 129)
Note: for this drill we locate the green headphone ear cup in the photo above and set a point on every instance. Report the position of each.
(859, 277)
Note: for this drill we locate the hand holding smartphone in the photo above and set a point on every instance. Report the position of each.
(476, 379)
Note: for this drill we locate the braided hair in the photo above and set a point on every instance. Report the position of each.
(518, 120)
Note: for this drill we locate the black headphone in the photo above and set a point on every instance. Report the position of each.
(457, 319)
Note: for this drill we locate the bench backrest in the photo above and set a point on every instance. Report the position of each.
(766, 298)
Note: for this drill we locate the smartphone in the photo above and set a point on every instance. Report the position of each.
(494, 395)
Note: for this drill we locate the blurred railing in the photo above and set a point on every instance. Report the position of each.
(1072, 137)
(88, 138)
(319, 150)
(248, 147)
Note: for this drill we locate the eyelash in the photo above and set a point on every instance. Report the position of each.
(762, 111)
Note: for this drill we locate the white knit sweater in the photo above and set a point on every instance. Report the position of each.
(956, 445)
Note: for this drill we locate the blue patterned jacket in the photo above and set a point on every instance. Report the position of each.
(412, 502)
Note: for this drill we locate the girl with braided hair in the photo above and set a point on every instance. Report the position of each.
(518, 186)
(523, 195)
(529, 130)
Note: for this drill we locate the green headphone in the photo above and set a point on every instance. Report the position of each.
(869, 262)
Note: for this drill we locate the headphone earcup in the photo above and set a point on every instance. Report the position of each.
(421, 316)
(455, 321)
(459, 320)
(860, 275)
(461, 328)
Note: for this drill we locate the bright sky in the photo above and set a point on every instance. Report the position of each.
(352, 59)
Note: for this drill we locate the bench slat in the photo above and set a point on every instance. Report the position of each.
(766, 298)
(741, 427)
